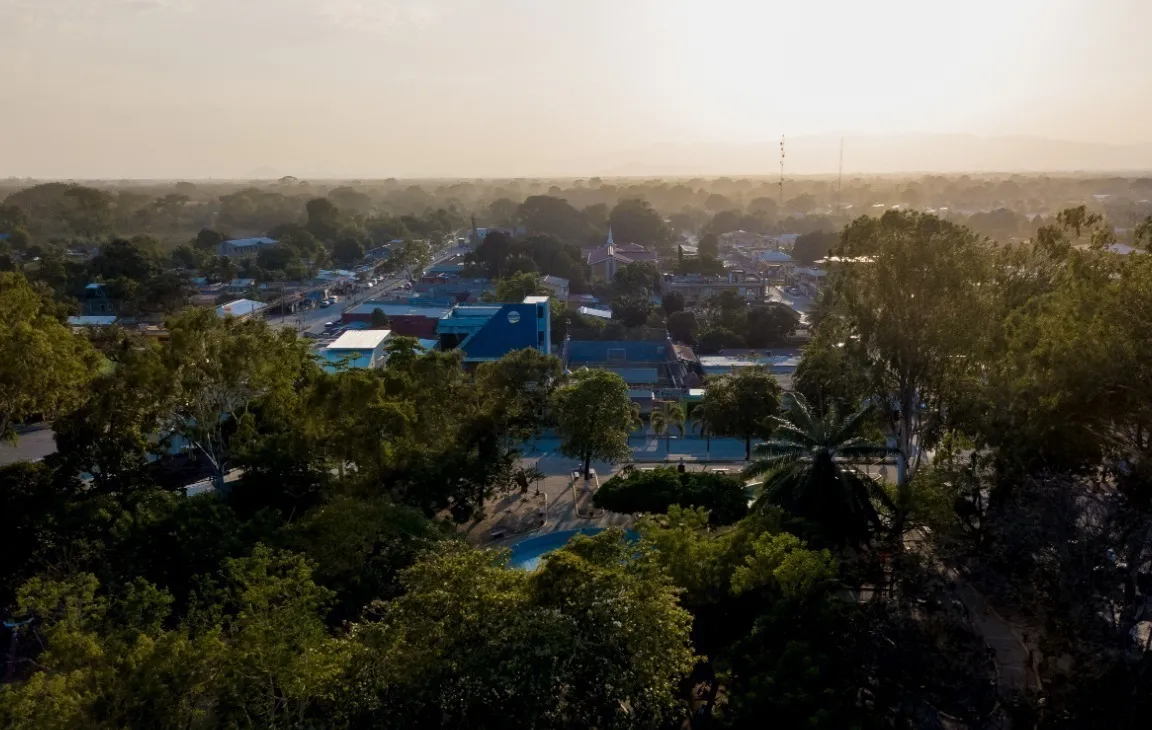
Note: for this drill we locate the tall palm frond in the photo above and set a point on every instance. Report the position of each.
(809, 470)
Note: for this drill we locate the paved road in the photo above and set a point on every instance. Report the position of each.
(312, 320)
(34, 444)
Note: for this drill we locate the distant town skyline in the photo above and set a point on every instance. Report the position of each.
(446, 88)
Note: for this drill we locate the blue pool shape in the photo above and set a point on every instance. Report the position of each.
(526, 554)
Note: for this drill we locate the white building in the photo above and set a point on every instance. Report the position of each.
(556, 285)
(357, 349)
(240, 309)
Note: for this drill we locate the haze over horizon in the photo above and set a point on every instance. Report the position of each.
(462, 88)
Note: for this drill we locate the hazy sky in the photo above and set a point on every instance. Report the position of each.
(377, 88)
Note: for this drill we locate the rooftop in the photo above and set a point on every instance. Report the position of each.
(593, 312)
(92, 321)
(257, 241)
(393, 309)
(239, 308)
(360, 340)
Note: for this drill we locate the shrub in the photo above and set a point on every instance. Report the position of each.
(655, 491)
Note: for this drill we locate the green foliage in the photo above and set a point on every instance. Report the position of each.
(498, 651)
(783, 562)
(547, 215)
(811, 247)
(770, 325)
(682, 326)
(658, 490)
(809, 470)
(517, 286)
(594, 416)
(741, 405)
(634, 221)
(43, 366)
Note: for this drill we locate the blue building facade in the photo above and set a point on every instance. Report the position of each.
(489, 332)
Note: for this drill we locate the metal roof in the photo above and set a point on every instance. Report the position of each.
(392, 309)
(359, 340)
(239, 308)
(257, 241)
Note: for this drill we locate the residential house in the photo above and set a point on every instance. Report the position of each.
(557, 287)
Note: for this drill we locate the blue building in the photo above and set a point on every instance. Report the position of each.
(244, 246)
(488, 332)
(649, 367)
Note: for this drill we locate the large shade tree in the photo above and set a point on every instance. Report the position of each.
(740, 405)
(43, 366)
(594, 416)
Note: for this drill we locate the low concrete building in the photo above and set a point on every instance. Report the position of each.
(696, 288)
(240, 308)
(357, 349)
(782, 367)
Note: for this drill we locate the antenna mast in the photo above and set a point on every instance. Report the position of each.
(781, 174)
(840, 174)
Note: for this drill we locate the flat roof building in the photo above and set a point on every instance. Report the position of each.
(357, 349)
(408, 320)
(240, 308)
(489, 332)
(244, 246)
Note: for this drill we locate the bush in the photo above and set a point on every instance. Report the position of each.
(655, 491)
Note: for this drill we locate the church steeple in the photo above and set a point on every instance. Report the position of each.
(609, 242)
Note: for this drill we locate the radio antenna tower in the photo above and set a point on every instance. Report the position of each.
(781, 174)
(840, 175)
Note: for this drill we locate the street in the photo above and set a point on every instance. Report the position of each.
(312, 320)
(34, 444)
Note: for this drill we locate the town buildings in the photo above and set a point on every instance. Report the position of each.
(696, 288)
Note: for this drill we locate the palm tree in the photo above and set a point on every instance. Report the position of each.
(808, 471)
(702, 424)
(665, 418)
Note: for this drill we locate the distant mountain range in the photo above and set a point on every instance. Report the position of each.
(884, 154)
